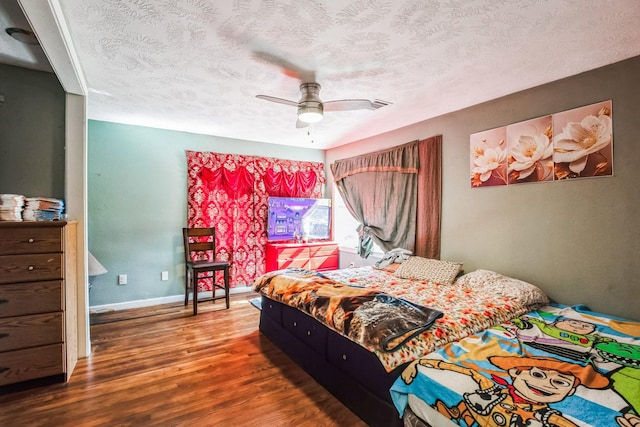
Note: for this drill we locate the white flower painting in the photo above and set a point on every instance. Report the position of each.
(530, 146)
(572, 144)
(583, 144)
(489, 158)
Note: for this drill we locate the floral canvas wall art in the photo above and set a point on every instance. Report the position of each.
(571, 144)
(489, 158)
(583, 142)
(530, 150)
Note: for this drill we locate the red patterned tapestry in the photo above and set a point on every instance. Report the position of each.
(231, 192)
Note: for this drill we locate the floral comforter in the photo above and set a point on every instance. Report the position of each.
(476, 301)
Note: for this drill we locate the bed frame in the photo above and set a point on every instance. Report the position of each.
(351, 373)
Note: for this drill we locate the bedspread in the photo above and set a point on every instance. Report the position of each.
(466, 308)
(556, 366)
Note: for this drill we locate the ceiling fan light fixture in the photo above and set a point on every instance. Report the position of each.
(310, 113)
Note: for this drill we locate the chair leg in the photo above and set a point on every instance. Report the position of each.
(195, 293)
(226, 285)
(187, 278)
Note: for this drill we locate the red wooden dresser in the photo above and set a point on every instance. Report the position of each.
(317, 256)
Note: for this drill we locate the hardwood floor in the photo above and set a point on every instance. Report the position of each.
(163, 366)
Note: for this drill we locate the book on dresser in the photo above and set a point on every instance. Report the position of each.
(38, 313)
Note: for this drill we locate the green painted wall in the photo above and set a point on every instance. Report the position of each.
(137, 201)
(31, 133)
(578, 240)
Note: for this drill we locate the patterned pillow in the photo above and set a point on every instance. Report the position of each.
(432, 270)
(499, 284)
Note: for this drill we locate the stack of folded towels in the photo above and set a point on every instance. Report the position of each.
(42, 209)
(11, 206)
(15, 207)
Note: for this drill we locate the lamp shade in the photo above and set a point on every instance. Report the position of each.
(94, 267)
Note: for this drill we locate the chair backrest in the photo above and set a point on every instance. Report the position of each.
(195, 240)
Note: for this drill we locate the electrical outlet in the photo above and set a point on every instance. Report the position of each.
(122, 279)
(165, 275)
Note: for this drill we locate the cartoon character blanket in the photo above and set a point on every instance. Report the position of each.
(556, 366)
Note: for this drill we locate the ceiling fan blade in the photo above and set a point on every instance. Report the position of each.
(348, 104)
(301, 124)
(278, 100)
(289, 68)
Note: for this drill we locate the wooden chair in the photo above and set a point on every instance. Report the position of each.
(205, 269)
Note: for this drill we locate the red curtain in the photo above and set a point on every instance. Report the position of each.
(235, 183)
(296, 184)
(429, 198)
(231, 191)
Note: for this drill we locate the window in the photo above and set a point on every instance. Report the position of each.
(345, 226)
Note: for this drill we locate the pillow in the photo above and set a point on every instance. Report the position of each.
(496, 283)
(432, 270)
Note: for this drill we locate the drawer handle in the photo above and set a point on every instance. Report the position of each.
(31, 240)
(344, 357)
(295, 324)
(308, 333)
(30, 268)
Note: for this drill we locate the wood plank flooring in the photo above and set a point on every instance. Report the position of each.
(162, 366)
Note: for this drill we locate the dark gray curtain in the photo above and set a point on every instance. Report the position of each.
(380, 191)
(396, 196)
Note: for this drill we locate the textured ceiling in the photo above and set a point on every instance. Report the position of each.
(196, 65)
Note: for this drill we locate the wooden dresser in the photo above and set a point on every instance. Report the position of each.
(317, 256)
(38, 313)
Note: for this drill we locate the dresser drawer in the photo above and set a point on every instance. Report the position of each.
(31, 363)
(30, 331)
(324, 263)
(305, 328)
(357, 361)
(272, 309)
(311, 256)
(28, 268)
(323, 251)
(18, 299)
(293, 263)
(290, 253)
(30, 240)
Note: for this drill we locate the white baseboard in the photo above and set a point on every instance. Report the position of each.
(157, 301)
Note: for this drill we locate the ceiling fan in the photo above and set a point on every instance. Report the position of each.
(311, 109)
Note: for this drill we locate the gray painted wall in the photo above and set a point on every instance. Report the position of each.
(31, 133)
(579, 240)
(137, 201)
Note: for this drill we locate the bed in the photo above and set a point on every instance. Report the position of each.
(350, 329)
(555, 366)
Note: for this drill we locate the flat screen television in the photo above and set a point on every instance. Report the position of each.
(292, 218)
